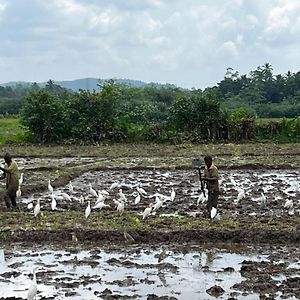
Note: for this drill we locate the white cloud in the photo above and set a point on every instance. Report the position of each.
(189, 43)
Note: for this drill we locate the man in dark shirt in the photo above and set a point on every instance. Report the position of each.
(211, 177)
(11, 173)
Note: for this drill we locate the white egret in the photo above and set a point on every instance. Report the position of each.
(37, 208)
(66, 197)
(291, 211)
(141, 191)
(92, 191)
(173, 194)
(101, 197)
(137, 199)
(19, 193)
(233, 182)
(262, 198)
(71, 188)
(30, 206)
(100, 205)
(240, 196)
(201, 199)
(114, 185)
(122, 195)
(32, 291)
(120, 205)
(104, 192)
(50, 188)
(88, 210)
(147, 211)
(288, 204)
(81, 200)
(159, 202)
(21, 179)
(53, 203)
(213, 212)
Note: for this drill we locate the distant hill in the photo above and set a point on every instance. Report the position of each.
(89, 83)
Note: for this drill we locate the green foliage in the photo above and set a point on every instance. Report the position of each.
(44, 115)
(279, 130)
(241, 123)
(11, 131)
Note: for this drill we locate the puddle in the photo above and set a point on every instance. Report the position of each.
(183, 272)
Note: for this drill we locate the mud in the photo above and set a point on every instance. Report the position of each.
(223, 271)
(75, 256)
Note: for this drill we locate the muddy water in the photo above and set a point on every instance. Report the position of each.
(141, 272)
(276, 185)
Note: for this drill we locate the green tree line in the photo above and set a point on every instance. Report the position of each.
(119, 113)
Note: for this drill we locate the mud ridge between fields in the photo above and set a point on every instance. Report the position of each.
(154, 236)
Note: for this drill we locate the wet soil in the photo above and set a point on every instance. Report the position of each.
(80, 259)
(210, 271)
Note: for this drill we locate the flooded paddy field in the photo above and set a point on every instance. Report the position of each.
(251, 251)
(185, 271)
(265, 191)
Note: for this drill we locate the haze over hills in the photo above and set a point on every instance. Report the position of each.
(89, 83)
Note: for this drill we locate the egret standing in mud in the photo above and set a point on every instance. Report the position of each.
(114, 185)
(262, 198)
(21, 179)
(289, 204)
(19, 193)
(53, 203)
(88, 210)
(37, 208)
(92, 191)
(173, 194)
(81, 199)
(100, 205)
(141, 191)
(137, 199)
(120, 205)
(50, 188)
(147, 211)
(71, 188)
(240, 196)
(32, 291)
(66, 197)
(122, 195)
(213, 212)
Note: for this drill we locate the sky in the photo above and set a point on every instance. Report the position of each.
(189, 43)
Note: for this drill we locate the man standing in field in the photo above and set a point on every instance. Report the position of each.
(11, 173)
(211, 177)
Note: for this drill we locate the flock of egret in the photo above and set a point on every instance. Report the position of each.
(97, 200)
(101, 196)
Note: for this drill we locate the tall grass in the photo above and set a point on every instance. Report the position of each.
(11, 131)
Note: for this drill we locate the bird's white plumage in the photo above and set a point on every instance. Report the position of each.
(147, 211)
(141, 191)
(173, 194)
(92, 191)
(88, 210)
(21, 179)
(137, 199)
(19, 193)
(66, 197)
(50, 188)
(37, 208)
(53, 203)
(32, 291)
(213, 212)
